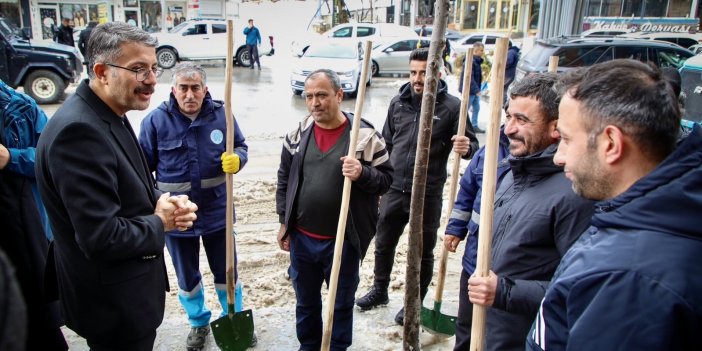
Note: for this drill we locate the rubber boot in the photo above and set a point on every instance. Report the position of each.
(194, 304)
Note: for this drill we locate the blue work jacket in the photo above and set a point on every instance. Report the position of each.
(185, 154)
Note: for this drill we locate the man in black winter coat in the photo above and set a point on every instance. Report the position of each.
(400, 133)
(64, 34)
(83, 39)
(537, 217)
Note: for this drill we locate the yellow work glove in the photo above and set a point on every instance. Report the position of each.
(230, 163)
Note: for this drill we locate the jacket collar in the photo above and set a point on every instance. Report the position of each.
(539, 164)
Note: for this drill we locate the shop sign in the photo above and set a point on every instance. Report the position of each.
(642, 24)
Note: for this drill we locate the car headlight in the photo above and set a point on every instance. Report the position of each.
(345, 74)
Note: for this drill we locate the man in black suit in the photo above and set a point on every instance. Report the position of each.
(107, 217)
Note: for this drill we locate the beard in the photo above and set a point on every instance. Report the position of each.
(590, 179)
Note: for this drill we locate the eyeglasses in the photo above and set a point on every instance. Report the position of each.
(142, 73)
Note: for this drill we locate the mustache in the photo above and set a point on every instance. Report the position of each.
(145, 89)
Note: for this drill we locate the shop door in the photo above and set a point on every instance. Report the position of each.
(132, 17)
(49, 21)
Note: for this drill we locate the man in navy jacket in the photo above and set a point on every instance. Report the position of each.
(632, 281)
(183, 141)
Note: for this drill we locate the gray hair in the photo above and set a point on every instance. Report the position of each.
(189, 70)
(106, 40)
(329, 74)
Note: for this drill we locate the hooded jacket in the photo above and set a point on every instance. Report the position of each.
(632, 281)
(511, 64)
(476, 74)
(400, 133)
(537, 218)
(365, 192)
(185, 154)
(465, 217)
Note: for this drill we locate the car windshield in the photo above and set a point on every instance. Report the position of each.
(177, 28)
(538, 56)
(331, 51)
(7, 30)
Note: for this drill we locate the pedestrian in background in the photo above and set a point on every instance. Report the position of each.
(83, 39)
(108, 218)
(64, 34)
(632, 280)
(476, 81)
(313, 164)
(510, 69)
(400, 134)
(183, 141)
(253, 41)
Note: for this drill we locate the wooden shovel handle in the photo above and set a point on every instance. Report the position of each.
(346, 196)
(453, 186)
(482, 269)
(230, 245)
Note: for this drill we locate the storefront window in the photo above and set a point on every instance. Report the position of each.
(515, 13)
(78, 13)
(504, 15)
(470, 14)
(175, 14)
(491, 15)
(680, 8)
(534, 15)
(632, 8)
(48, 22)
(655, 8)
(611, 8)
(10, 11)
(151, 16)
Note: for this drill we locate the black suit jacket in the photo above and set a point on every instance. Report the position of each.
(108, 243)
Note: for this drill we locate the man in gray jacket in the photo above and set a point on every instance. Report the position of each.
(537, 216)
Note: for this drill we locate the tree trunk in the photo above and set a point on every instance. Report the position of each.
(414, 253)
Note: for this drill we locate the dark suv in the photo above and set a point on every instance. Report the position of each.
(43, 69)
(574, 53)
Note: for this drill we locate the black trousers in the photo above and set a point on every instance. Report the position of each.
(253, 55)
(464, 320)
(394, 216)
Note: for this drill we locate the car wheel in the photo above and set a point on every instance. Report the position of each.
(375, 69)
(297, 92)
(370, 81)
(45, 87)
(166, 58)
(242, 57)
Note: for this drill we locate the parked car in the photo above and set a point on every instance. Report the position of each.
(450, 34)
(683, 39)
(393, 56)
(691, 90)
(345, 58)
(369, 31)
(43, 69)
(574, 53)
(603, 32)
(696, 49)
(488, 39)
(206, 39)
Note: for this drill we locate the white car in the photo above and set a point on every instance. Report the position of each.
(488, 39)
(206, 39)
(393, 56)
(369, 31)
(683, 39)
(344, 58)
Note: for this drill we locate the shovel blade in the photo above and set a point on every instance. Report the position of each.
(437, 323)
(234, 332)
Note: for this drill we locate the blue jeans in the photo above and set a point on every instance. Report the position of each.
(310, 265)
(474, 101)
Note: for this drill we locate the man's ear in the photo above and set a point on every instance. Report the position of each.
(554, 130)
(100, 70)
(612, 142)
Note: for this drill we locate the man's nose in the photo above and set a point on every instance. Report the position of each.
(559, 156)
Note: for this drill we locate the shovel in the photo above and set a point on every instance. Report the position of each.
(433, 320)
(235, 330)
